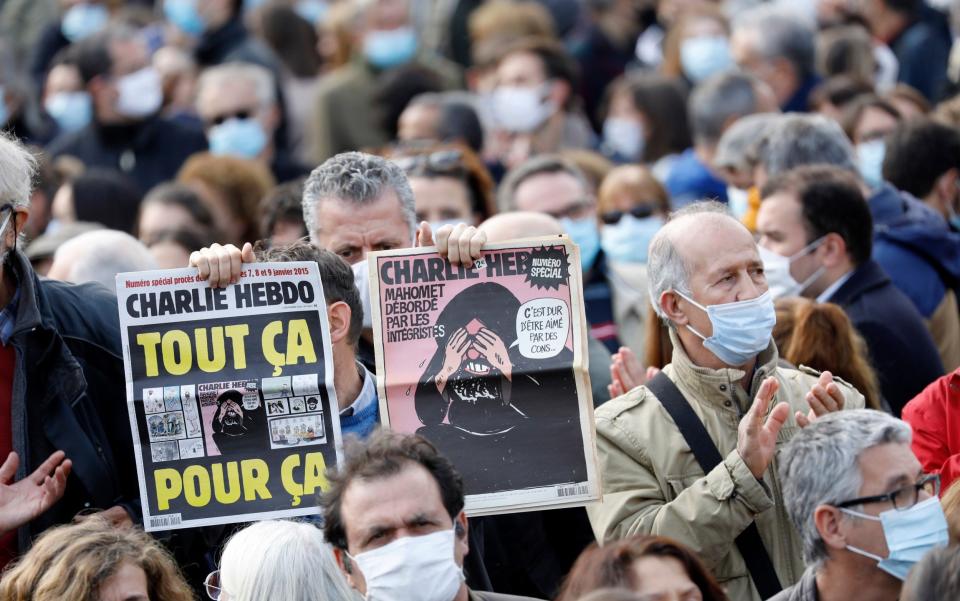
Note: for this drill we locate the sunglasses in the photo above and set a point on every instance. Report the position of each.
(443, 161)
(242, 115)
(639, 212)
(211, 585)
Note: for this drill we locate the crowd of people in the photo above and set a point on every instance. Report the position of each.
(766, 200)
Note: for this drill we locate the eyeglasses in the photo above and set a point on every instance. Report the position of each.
(639, 211)
(442, 161)
(902, 498)
(212, 585)
(241, 115)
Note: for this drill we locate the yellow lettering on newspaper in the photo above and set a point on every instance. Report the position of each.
(199, 484)
(314, 476)
(299, 344)
(176, 349)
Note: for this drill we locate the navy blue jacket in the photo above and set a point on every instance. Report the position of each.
(915, 246)
(901, 350)
(150, 152)
(69, 394)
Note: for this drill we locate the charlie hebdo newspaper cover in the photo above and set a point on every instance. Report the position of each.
(489, 364)
(230, 393)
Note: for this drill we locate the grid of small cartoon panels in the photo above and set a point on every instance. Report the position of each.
(173, 423)
(294, 411)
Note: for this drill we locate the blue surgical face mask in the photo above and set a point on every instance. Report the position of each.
(584, 234)
(184, 16)
(83, 20)
(313, 11)
(625, 137)
(741, 330)
(71, 110)
(738, 200)
(910, 534)
(870, 161)
(629, 239)
(4, 111)
(243, 138)
(701, 57)
(390, 48)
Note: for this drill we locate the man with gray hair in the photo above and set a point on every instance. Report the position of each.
(777, 44)
(911, 241)
(864, 509)
(690, 455)
(98, 256)
(61, 373)
(714, 106)
(238, 105)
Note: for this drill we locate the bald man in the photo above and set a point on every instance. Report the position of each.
(707, 284)
(98, 256)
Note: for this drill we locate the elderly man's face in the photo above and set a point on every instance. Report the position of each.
(352, 230)
(378, 511)
(885, 468)
(722, 261)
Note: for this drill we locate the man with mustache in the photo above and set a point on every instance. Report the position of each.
(235, 429)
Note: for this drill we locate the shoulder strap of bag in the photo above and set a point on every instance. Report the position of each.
(705, 451)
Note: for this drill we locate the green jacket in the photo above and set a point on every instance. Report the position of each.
(652, 484)
(345, 113)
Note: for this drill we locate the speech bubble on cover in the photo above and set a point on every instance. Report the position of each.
(542, 327)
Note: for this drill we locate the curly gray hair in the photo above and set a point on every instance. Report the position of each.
(358, 178)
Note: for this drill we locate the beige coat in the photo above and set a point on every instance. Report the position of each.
(652, 484)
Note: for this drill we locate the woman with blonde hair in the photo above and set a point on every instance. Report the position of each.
(94, 561)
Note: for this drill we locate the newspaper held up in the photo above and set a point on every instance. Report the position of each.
(488, 362)
(229, 392)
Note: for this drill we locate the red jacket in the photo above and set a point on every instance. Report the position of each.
(934, 415)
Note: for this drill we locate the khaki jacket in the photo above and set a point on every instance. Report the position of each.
(652, 484)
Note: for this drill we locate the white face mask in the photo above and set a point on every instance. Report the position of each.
(361, 278)
(625, 137)
(412, 568)
(738, 200)
(776, 268)
(140, 93)
(521, 109)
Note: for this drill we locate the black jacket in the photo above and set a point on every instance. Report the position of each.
(150, 152)
(69, 394)
(901, 350)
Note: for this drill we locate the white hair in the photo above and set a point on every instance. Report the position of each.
(17, 167)
(98, 256)
(260, 77)
(356, 178)
(278, 559)
(666, 269)
(820, 466)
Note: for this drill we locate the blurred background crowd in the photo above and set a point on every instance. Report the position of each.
(829, 128)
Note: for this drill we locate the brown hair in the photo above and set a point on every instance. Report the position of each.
(854, 112)
(950, 501)
(663, 101)
(821, 336)
(469, 167)
(241, 182)
(506, 21)
(385, 454)
(611, 566)
(639, 183)
(73, 562)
